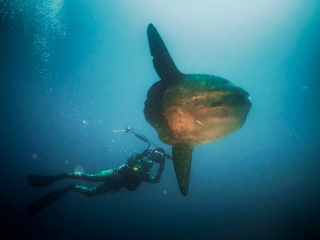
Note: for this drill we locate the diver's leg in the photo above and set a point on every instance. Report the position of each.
(98, 177)
(95, 191)
(43, 181)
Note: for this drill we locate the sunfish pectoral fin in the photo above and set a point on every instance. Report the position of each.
(182, 155)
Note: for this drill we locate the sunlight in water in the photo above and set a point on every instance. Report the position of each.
(45, 18)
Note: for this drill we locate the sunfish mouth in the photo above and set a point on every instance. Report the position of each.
(242, 97)
(246, 101)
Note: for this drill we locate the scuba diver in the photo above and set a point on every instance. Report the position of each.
(129, 176)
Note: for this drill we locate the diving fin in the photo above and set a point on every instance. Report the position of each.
(46, 200)
(43, 181)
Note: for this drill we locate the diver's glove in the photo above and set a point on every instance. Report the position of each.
(163, 162)
(145, 152)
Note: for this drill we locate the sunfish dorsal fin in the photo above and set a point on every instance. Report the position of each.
(162, 62)
(182, 156)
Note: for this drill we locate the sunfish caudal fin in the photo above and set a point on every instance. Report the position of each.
(162, 62)
(182, 155)
(46, 200)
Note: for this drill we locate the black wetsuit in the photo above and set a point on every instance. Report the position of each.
(129, 176)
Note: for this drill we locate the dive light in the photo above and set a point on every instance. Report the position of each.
(128, 128)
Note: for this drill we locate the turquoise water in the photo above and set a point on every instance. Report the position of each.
(72, 72)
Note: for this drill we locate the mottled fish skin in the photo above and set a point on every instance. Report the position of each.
(182, 155)
(190, 109)
(209, 99)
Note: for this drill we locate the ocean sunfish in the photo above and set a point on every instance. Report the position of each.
(190, 109)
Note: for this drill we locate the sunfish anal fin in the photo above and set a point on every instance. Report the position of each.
(182, 155)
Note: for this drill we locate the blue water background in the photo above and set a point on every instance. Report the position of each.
(74, 71)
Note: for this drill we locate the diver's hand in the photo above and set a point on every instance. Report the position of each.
(145, 152)
(163, 163)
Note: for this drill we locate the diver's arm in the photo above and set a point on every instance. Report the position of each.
(157, 178)
(139, 156)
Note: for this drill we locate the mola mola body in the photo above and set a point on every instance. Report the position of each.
(190, 109)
